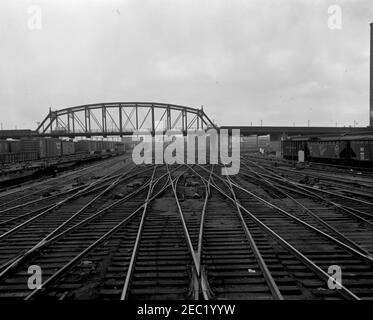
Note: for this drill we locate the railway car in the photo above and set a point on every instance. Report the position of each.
(354, 152)
(334, 151)
(94, 146)
(249, 146)
(67, 148)
(29, 145)
(119, 147)
(361, 152)
(4, 146)
(86, 146)
(14, 146)
(290, 148)
(50, 148)
(30, 149)
(18, 157)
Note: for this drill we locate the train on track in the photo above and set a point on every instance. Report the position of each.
(33, 149)
(352, 151)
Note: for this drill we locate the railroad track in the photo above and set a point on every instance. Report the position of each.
(66, 249)
(359, 207)
(186, 232)
(23, 235)
(52, 187)
(329, 168)
(360, 183)
(310, 245)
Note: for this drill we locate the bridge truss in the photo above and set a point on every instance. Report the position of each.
(122, 118)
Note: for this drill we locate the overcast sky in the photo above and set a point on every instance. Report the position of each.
(244, 60)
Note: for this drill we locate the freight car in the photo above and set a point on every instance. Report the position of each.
(290, 148)
(68, 148)
(50, 148)
(354, 152)
(18, 157)
(361, 153)
(4, 147)
(30, 149)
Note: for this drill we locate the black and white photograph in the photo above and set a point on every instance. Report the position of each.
(187, 156)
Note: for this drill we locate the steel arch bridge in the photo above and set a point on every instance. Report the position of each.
(121, 119)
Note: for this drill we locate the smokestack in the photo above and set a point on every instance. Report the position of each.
(371, 77)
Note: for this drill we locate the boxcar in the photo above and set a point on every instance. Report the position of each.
(68, 147)
(86, 146)
(354, 152)
(361, 151)
(29, 145)
(18, 157)
(119, 147)
(290, 148)
(4, 146)
(327, 149)
(50, 148)
(14, 146)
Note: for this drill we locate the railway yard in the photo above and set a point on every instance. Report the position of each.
(115, 230)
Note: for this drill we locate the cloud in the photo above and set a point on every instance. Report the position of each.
(245, 61)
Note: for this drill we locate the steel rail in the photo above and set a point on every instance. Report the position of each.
(21, 189)
(47, 188)
(85, 191)
(344, 208)
(338, 195)
(319, 166)
(91, 247)
(351, 211)
(81, 187)
(47, 207)
(300, 256)
(49, 239)
(203, 280)
(313, 188)
(15, 262)
(120, 178)
(134, 254)
(358, 254)
(275, 291)
(322, 176)
(342, 237)
(335, 186)
(196, 261)
(200, 281)
(263, 266)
